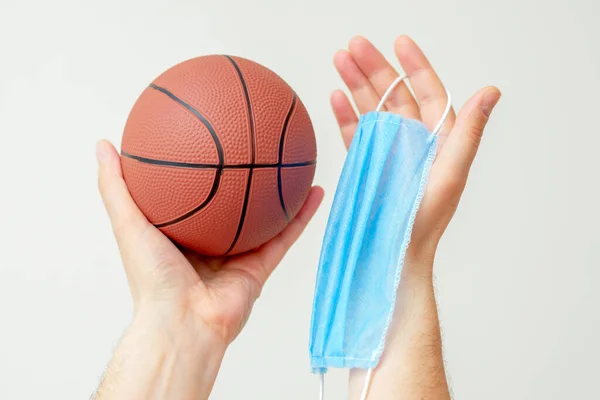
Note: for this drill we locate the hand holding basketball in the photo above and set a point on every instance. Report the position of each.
(217, 292)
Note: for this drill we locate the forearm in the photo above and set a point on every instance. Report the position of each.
(412, 366)
(159, 359)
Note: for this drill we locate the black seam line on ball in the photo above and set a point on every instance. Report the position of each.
(219, 147)
(176, 164)
(197, 115)
(280, 159)
(211, 195)
(243, 216)
(248, 104)
(253, 144)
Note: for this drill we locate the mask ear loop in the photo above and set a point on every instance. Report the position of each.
(365, 391)
(322, 386)
(435, 131)
(387, 93)
(368, 380)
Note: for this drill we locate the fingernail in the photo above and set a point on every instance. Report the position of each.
(100, 152)
(489, 101)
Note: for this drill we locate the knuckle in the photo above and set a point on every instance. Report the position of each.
(106, 183)
(426, 99)
(476, 126)
(126, 222)
(475, 135)
(165, 269)
(394, 100)
(101, 181)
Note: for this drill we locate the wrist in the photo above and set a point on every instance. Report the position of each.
(418, 263)
(179, 334)
(190, 352)
(163, 357)
(413, 345)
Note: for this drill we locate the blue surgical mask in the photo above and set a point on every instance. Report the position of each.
(368, 231)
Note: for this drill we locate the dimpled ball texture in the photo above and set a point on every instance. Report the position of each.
(219, 153)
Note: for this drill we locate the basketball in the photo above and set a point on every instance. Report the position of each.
(219, 153)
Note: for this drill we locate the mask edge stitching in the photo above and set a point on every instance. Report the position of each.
(405, 243)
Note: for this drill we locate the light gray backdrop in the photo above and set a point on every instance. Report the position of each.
(517, 272)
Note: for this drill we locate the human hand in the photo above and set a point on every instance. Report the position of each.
(210, 293)
(412, 365)
(367, 74)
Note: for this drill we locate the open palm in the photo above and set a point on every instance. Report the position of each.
(368, 75)
(219, 291)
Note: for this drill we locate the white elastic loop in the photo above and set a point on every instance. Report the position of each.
(437, 128)
(365, 391)
(322, 387)
(389, 91)
(368, 378)
(393, 86)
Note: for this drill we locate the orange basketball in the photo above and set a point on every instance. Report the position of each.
(219, 153)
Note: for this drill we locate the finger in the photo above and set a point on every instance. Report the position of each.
(363, 93)
(462, 144)
(428, 87)
(345, 115)
(271, 253)
(124, 214)
(381, 75)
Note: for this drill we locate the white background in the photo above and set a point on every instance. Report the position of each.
(517, 272)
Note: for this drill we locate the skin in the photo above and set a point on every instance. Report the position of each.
(188, 308)
(412, 366)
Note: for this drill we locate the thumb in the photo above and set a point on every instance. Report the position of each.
(125, 217)
(463, 142)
